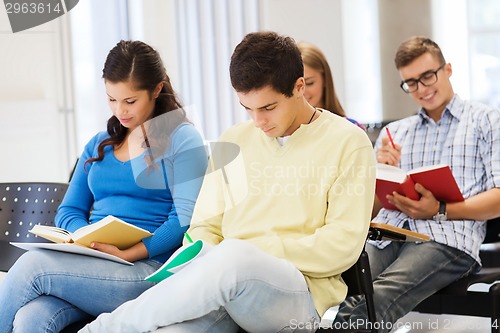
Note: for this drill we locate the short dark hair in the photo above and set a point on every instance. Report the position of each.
(266, 59)
(413, 48)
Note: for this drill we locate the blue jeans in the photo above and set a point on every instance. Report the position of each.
(47, 290)
(234, 285)
(404, 274)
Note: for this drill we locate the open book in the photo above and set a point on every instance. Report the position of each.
(70, 248)
(436, 178)
(109, 230)
(179, 259)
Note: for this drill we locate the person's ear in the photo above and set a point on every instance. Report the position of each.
(300, 86)
(157, 90)
(448, 69)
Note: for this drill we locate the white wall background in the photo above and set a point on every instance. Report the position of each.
(347, 32)
(36, 120)
(42, 132)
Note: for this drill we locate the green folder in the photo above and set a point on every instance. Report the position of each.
(183, 256)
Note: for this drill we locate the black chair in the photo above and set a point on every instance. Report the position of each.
(373, 129)
(458, 300)
(22, 205)
(359, 282)
(359, 279)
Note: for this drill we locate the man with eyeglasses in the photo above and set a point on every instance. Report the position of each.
(466, 136)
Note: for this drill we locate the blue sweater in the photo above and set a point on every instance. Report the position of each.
(136, 194)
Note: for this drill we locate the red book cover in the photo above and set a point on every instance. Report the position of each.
(436, 178)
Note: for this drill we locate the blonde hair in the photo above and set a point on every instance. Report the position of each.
(314, 58)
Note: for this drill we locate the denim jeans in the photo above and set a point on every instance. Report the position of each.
(47, 290)
(403, 275)
(235, 284)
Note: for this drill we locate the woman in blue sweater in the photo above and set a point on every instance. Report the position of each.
(146, 169)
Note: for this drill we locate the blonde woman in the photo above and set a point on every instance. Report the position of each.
(320, 90)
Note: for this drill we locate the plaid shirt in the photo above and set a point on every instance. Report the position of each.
(467, 138)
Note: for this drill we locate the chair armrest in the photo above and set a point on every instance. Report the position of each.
(383, 231)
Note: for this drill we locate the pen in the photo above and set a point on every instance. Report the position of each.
(188, 237)
(390, 137)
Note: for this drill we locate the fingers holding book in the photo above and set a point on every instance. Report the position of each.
(131, 254)
(424, 208)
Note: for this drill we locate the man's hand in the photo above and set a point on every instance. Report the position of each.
(388, 154)
(424, 209)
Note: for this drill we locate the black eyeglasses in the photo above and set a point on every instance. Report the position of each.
(427, 79)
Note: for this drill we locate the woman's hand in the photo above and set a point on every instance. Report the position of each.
(133, 253)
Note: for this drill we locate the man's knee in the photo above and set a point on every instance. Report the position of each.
(236, 246)
(234, 255)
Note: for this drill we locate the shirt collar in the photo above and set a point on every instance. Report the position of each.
(454, 108)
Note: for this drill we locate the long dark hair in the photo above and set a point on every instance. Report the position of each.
(138, 63)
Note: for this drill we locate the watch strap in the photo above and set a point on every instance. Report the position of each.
(442, 207)
(441, 214)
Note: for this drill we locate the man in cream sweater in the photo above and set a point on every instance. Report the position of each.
(287, 202)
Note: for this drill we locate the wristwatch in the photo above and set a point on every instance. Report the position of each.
(441, 214)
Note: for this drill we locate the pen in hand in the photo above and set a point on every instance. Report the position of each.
(390, 137)
(188, 237)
